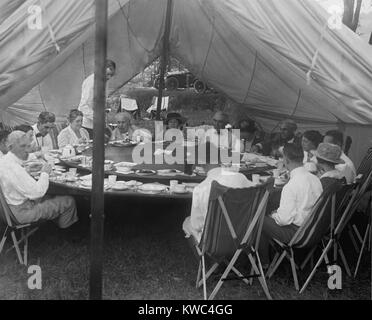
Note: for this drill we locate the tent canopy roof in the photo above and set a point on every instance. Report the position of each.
(261, 54)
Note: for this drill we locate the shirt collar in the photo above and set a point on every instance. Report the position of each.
(36, 129)
(297, 171)
(12, 157)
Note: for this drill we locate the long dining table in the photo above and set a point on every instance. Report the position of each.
(117, 154)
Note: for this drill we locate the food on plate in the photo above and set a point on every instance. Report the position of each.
(125, 164)
(152, 188)
(133, 183)
(120, 185)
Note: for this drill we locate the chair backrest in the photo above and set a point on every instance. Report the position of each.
(319, 221)
(233, 215)
(6, 215)
(348, 143)
(359, 189)
(366, 164)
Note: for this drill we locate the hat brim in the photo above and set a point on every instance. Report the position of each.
(339, 161)
(181, 120)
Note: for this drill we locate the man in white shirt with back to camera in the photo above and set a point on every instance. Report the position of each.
(194, 224)
(26, 196)
(297, 200)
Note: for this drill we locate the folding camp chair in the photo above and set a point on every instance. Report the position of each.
(366, 239)
(233, 226)
(310, 234)
(339, 219)
(12, 228)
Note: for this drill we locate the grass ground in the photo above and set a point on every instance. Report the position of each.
(145, 257)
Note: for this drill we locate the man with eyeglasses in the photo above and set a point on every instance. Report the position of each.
(87, 96)
(43, 137)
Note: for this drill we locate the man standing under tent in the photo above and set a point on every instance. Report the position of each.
(87, 96)
(43, 135)
(347, 168)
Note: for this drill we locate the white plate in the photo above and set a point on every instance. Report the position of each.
(152, 187)
(181, 192)
(124, 172)
(119, 186)
(133, 183)
(169, 172)
(125, 164)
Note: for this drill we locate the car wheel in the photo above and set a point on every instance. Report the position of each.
(171, 83)
(200, 86)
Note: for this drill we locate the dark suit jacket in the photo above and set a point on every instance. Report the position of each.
(270, 147)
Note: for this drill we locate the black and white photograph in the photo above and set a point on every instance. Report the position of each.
(168, 152)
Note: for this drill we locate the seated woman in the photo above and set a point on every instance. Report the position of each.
(328, 156)
(74, 133)
(174, 121)
(126, 130)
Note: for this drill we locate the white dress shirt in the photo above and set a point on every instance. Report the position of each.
(298, 198)
(1, 154)
(68, 136)
(200, 196)
(45, 143)
(310, 158)
(347, 169)
(17, 185)
(86, 101)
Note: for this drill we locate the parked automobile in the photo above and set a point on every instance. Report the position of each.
(176, 80)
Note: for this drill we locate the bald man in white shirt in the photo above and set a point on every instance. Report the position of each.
(26, 196)
(297, 200)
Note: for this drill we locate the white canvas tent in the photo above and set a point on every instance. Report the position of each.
(260, 53)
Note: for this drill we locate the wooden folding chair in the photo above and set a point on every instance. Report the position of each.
(357, 239)
(310, 234)
(233, 225)
(12, 228)
(366, 239)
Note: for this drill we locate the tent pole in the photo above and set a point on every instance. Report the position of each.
(97, 200)
(164, 56)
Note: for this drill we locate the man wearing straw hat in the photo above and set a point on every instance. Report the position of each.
(328, 156)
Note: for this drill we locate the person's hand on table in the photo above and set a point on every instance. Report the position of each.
(47, 168)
